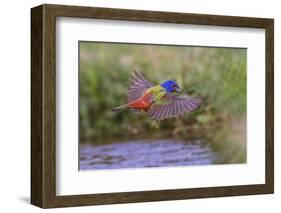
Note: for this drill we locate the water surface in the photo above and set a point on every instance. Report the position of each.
(146, 153)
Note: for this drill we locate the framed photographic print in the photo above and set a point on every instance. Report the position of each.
(137, 106)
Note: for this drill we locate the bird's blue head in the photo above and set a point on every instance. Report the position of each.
(171, 86)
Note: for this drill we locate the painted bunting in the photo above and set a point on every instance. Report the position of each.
(160, 101)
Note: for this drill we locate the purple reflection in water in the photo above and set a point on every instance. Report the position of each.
(145, 153)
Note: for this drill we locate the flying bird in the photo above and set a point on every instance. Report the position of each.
(159, 101)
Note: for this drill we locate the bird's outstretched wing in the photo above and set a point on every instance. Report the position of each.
(137, 85)
(174, 106)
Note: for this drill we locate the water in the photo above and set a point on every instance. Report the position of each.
(145, 153)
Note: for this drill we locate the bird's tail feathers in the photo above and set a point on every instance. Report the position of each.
(125, 106)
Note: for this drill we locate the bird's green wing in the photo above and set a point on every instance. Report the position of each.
(171, 106)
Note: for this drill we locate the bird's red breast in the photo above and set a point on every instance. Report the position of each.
(142, 103)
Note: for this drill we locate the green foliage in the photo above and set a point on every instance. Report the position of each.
(217, 75)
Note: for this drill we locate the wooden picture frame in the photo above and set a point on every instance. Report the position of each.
(43, 105)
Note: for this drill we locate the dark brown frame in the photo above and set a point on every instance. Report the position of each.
(43, 105)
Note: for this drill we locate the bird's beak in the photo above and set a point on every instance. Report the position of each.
(178, 90)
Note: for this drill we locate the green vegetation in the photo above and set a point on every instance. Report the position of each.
(217, 75)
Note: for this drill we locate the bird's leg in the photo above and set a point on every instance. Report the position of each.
(155, 124)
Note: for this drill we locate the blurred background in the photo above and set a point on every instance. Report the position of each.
(214, 134)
